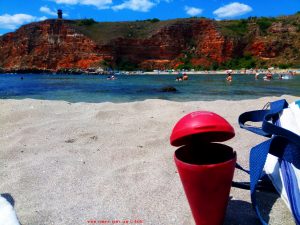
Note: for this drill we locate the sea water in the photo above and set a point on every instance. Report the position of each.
(128, 88)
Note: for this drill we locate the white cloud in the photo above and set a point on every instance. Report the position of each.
(68, 2)
(11, 22)
(167, 1)
(48, 11)
(232, 10)
(45, 9)
(192, 11)
(135, 5)
(100, 4)
(42, 18)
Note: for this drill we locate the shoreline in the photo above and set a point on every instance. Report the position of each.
(155, 72)
(224, 72)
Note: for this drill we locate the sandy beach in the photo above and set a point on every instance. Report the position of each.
(223, 72)
(72, 163)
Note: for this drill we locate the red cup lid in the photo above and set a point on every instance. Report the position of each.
(201, 126)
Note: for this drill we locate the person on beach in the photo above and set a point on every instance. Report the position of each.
(178, 79)
(292, 73)
(269, 75)
(256, 76)
(185, 77)
(111, 78)
(229, 76)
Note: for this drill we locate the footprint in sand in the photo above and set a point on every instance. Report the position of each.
(70, 140)
(94, 138)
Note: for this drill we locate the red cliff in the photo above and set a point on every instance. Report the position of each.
(58, 44)
(51, 45)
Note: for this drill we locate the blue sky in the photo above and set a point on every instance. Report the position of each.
(14, 13)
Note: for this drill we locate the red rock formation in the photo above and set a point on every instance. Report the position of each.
(211, 44)
(51, 44)
(54, 44)
(258, 48)
(165, 48)
(266, 49)
(58, 44)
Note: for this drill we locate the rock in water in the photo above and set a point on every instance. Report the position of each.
(168, 89)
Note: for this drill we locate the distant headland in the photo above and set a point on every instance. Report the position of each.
(198, 44)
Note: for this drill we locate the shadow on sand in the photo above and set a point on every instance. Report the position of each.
(241, 212)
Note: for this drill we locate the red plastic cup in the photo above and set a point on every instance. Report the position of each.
(206, 169)
(206, 178)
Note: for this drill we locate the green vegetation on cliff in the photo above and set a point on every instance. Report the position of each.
(104, 32)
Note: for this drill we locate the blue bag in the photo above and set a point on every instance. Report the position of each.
(279, 156)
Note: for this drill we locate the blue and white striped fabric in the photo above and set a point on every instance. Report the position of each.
(7, 213)
(284, 175)
(279, 156)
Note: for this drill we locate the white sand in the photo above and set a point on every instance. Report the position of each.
(69, 163)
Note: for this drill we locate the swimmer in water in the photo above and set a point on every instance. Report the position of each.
(185, 76)
(256, 75)
(229, 76)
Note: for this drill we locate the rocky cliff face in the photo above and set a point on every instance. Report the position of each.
(48, 45)
(168, 47)
(57, 44)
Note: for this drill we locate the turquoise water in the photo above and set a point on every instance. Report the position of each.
(83, 88)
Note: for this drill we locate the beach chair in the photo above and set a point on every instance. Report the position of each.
(278, 158)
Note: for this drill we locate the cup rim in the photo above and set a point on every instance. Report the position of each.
(178, 161)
